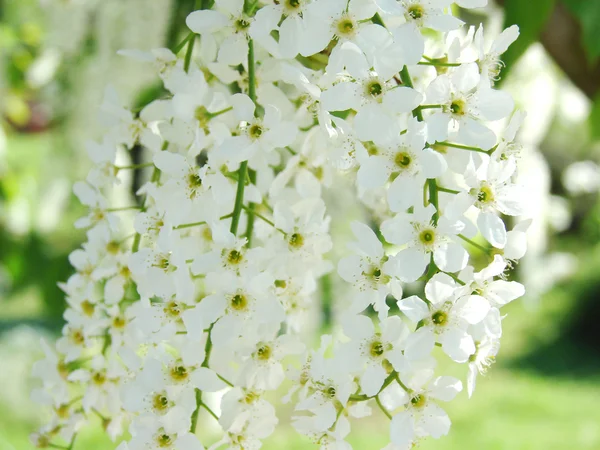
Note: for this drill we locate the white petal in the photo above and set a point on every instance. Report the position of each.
(457, 344)
(373, 173)
(451, 257)
(494, 104)
(440, 288)
(411, 264)
(445, 388)
(340, 97)
(414, 308)
(243, 107)
(372, 379)
(206, 21)
(402, 99)
(419, 344)
(207, 380)
(233, 50)
(433, 163)
(435, 422)
(402, 429)
(403, 193)
(472, 308)
(492, 228)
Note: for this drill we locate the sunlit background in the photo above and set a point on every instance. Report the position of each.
(57, 56)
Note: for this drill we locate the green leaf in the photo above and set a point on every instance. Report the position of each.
(530, 16)
(588, 14)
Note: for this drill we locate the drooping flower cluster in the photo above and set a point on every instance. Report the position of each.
(208, 287)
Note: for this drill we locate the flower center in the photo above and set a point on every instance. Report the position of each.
(119, 322)
(458, 107)
(239, 302)
(330, 391)
(416, 11)
(88, 308)
(172, 309)
(440, 318)
(255, 131)
(292, 5)
(194, 182)
(282, 284)
(241, 25)
(418, 401)
(403, 160)
(296, 240)
(113, 247)
(235, 257)
(374, 88)
(376, 349)
(263, 352)
(179, 373)
(77, 337)
(427, 236)
(163, 440)
(345, 27)
(485, 195)
(99, 378)
(160, 402)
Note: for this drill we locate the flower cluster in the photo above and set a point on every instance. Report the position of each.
(207, 286)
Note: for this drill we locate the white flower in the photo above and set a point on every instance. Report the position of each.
(424, 239)
(370, 271)
(465, 101)
(422, 416)
(443, 319)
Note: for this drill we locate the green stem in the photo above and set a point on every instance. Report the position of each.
(183, 43)
(474, 244)
(207, 351)
(430, 106)
(188, 53)
(385, 411)
(463, 147)
(242, 171)
(455, 278)
(361, 398)
(449, 191)
(210, 411)
(123, 208)
(250, 212)
(431, 63)
(433, 198)
(239, 197)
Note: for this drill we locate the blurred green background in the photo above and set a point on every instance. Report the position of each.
(56, 56)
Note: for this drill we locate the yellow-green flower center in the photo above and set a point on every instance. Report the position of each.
(376, 348)
(416, 11)
(440, 318)
(239, 302)
(160, 402)
(403, 160)
(263, 352)
(458, 107)
(485, 195)
(418, 401)
(255, 131)
(345, 27)
(235, 257)
(427, 236)
(296, 240)
(179, 373)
